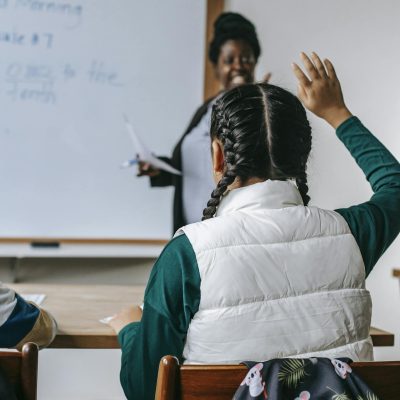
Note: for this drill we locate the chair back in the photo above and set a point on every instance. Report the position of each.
(21, 369)
(220, 382)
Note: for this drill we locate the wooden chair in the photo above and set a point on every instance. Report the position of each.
(21, 368)
(219, 382)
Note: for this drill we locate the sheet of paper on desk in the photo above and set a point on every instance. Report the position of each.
(106, 320)
(144, 154)
(35, 298)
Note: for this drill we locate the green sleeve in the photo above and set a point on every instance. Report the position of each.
(375, 223)
(171, 299)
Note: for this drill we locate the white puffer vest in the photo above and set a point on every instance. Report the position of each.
(277, 280)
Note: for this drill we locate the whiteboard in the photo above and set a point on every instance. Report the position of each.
(69, 70)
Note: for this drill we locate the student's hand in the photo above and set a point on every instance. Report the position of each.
(125, 317)
(146, 169)
(320, 91)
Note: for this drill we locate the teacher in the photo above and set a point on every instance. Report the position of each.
(233, 51)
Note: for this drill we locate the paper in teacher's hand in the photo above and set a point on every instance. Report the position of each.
(144, 154)
(34, 298)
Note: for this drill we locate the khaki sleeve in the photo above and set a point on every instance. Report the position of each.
(42, 333)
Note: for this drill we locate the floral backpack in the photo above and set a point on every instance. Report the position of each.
(303, 379)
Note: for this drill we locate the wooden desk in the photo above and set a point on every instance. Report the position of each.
(381, 338)
(78, 309)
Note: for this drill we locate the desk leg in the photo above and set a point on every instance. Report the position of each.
(14, 266)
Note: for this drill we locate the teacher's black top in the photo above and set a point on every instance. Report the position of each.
(165, 178)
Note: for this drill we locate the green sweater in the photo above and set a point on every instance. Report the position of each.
(172, 295)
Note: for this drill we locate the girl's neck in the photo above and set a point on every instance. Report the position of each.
(238, 184)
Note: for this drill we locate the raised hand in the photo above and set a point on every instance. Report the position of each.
(320, 90)
(267, 77)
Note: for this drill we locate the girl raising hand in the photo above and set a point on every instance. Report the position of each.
(264, 275)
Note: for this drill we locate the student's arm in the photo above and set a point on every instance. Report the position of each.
(172, 298)
(22, 322)
(375, 223)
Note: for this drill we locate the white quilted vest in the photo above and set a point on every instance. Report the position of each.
(277, 280)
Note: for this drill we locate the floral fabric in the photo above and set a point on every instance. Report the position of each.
(303, 379)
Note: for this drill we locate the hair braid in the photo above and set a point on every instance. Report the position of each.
(289, 137)
(216, 196)
(229, 175)
(301, 182)
(303, 148)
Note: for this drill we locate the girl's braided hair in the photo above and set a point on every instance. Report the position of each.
(265, 134)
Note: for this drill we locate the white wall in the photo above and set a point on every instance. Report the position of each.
(71, 374)
(362, 39)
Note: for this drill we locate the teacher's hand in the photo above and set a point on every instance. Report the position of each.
(125, 317)
(266, 78)
(320, 91)
(146, 169)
